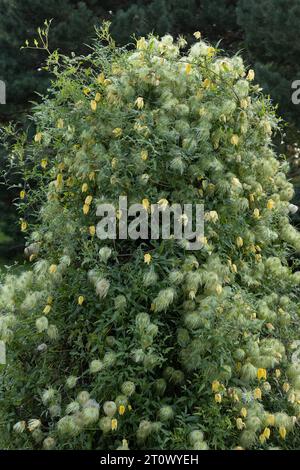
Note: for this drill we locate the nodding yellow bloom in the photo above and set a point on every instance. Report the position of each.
(139, 102)
(266, 433)
(207, 83)
(47, 309)
(277, 373)
(211, 51)
(117, 132)
(59, 179)
(60, 123)
(80, 300)
(215, 386)
(38, 137)
(141, 43)
(218, 398)
(240, 424)
(144, 155)
(88, 200)
(86, 90)
(114, 162)
(262, 439)
(282, 432)
(286, 387)
(92, 230)
(219, 289)
(197, 34)
(86, 209)
(270, 204)
(129, 407)
(97, 97)
(256, 213)
(93, 105)
(251, 197)
(84, 188)
(146, 204)
(234, 268)
(44, 163)
(53, 269)
(22, 194)
(239, 242)
(114, 424)
(49, 300)
(92, 176)
(262, 374)
(251, 75)
(188, 68)
(163, 203)
(121, 410)
(235, 139)
(147, 258)
(101, 78)
(257, 394)
(243, 412)
(24, 226)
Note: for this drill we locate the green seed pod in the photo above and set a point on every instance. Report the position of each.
(128, 388)
(160, 386)
(248, 439)
(83, 397)
(239, 354)
(166, 413)
(196, 436)
(248, 373)
(110, 408)
(90, 415)
(105, 424)
(67, 426)
(49, 443)
(120, 302)
(200, 445)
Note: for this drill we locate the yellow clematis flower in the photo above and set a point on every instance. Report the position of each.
(53, 269)
(282, 432)
(80, 300)
(47, 309)
(84, 188)
(139, 102)
(114, 424)
(121, 410)
(257, 394)
(93, 105)
(86, 209)
(147, 258)
(92, 230)
(88, 200)
(235, 139)
(262, 374)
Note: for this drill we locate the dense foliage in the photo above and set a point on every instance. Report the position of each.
(144, 344)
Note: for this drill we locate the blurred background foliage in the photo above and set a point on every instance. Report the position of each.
(265, 31)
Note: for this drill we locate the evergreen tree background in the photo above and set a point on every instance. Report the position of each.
(267, 32)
